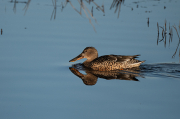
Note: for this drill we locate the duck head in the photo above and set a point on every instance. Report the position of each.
(90, 53)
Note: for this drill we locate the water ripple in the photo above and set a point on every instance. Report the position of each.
(161, 70)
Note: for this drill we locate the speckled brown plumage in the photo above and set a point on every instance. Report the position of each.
(107, 62)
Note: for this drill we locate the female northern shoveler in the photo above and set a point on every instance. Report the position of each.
(106, 62)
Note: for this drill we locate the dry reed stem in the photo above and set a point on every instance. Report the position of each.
(87, 15)
(158, 27)
(179, 55)
(119, 10)
(89, 12)
(92, 10)
(54, 10)
(171, 35)
(165, 41)
(27, 5)
(84, 9)
(176, 31)
(117, 4)
(14, 8)
(113, 3)
(165, 26)
(164, 32)
(178, 42)
(74, 8)
(157, 39)
(102, 9)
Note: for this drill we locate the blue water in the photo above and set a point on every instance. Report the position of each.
(35, 51)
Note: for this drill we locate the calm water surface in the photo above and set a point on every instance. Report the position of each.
(36, 76)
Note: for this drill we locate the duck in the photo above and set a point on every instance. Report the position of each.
(107, 62)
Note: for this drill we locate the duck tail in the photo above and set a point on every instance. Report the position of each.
(143, 61)
(137, 63)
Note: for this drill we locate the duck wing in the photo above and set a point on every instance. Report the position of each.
(114, 58)
(124, 58)
(105, 58)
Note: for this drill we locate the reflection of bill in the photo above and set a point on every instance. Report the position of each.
(91, 76)
(88, 79)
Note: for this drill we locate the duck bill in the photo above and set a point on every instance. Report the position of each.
(77, 58)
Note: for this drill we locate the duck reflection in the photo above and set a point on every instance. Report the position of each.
(91, 76)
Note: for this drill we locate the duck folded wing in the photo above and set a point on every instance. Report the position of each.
(106, 58)
(123, 58)
(115, 58)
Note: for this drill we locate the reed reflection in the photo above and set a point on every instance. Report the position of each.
(54, 10)
(91, 76)
(117, 5)
(25, 2)
(82, 8)
(165, 33)
(1, 31)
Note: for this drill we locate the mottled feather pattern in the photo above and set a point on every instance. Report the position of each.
(114, 62)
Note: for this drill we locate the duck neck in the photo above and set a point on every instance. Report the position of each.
(88, 61)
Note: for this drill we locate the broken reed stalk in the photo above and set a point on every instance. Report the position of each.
(26, 7)
(178, 42)
(158, 33)
(163, 33)
(101, 8)
(92, 11)
(176, 50)
(158, 27)
(14, 8)
(176, 31)
(165, 40)
(86, 10)
(74, 8)
(54, 10)
(113, 4)
(87, 14)
(179, 55)
(116, 7)
(117, 4)
(88, 1)
(171, 34)
(165, 26)
(119, 10)
(169, 37)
